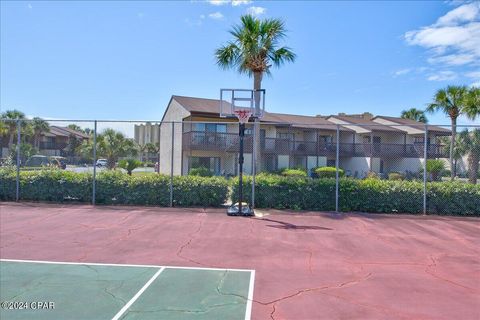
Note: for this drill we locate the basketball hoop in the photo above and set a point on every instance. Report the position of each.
(243, 115)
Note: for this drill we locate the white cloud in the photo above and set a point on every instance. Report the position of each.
(442, 76)
(475, 76)
(402, 72)
(234, 3)
(454, 39)
(216, 15)
(240, 2)
(453, 59)
(464, 13)
(218, 2)
(256, 11)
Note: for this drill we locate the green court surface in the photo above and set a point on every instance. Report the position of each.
(51, 290)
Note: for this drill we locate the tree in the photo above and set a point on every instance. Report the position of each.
(452, 101)
(253, 51)
(435, 168)
(38, 125)
(75, 127)
(153, 148)
(12, 125)
(472, 107)
(459, 150)
(471, 142)
(414, 114)
(72, 145)
(112, 145)
(129, 165)
(142, 148)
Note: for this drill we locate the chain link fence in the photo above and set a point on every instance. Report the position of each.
(335, 166)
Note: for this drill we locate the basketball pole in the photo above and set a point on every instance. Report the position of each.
(241, 133)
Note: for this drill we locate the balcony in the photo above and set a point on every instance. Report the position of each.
(214, 141)
(52, 145)
(229, 142)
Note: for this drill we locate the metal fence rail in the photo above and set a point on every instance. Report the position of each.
(359, 151)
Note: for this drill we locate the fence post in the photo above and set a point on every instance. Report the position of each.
(94, 182)
(254, 167)
(337, 160)
(171, 165)
(17, 192)
(159, 136)
(425, 155)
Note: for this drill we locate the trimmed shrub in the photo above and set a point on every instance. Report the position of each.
(114, 187)
(294, 173)
(368, 195)
(201, 172)
(328, 172)
(395, 176)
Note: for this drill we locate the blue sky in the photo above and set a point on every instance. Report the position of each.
(123, 60)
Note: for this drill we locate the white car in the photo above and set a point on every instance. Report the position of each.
(101, 163)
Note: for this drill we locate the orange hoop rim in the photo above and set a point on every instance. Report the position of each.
(243, 115)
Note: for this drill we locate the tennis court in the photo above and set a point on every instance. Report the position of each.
(307, 265)
(109, 291)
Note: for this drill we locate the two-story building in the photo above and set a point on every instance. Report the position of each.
(201, 138)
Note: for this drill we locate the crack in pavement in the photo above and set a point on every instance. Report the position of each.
(273, 312)
(433, 265)
(299, 292)
(186, 244)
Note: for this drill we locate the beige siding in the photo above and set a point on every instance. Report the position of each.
(175, 112)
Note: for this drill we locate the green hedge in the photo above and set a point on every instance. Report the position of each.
(369, 195)
(114, 187)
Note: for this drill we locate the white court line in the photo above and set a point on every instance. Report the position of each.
(138, 294)
(248, 311)
(123, 265)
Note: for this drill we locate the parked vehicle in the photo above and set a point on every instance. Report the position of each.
(60, 162)
(101, 163)
(37, 160)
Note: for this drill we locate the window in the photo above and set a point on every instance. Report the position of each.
(325, 139)
(211, 163)
(210, 127)
(331, 163)
(271, 163)
(285, 135)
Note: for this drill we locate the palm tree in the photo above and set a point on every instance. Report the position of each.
(142, 148)
(12, 125)
(414, 114)
(112, 145)
(153, 148)
(452, 101)
(129, 165)
(253, 51)
(472, 108)
(471, 141)
(38, 125)
(75, 127)
(459, 150)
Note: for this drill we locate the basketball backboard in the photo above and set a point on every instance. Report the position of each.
(232, 100)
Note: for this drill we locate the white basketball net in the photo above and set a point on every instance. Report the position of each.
(243, 115)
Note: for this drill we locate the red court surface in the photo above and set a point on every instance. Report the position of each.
(308, 266)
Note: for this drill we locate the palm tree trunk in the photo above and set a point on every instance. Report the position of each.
(473, 161)
(257, 85)
(452, 145)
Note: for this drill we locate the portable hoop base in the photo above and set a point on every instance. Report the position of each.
(234, 210)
